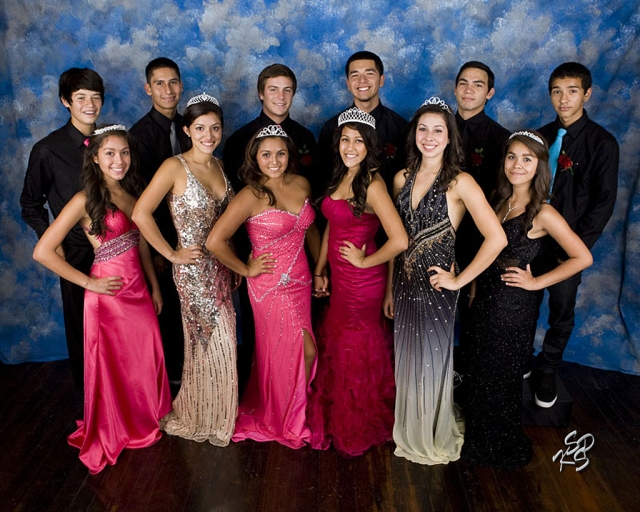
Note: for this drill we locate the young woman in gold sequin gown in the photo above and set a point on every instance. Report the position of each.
(198, 192)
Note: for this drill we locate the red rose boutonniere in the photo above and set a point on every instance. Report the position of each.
(305, 157)
(477, 157)
(565, 163)
(390, 150)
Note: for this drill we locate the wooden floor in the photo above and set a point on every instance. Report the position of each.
(39, 471)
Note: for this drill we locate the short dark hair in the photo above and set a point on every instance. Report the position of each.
(572, 70)
(193, 112)
(365, 55)
(274, 71)
(476, 64)
(74, 79)
(160, 62)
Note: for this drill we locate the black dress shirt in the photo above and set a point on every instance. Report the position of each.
(53, 178)
(586, 181)
(392, 134)
(483, 142)
(236, 145)
(151, 141)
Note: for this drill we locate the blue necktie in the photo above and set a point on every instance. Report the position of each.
(554, 153)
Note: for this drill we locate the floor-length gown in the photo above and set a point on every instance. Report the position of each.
(352, 402)
(126, 390)
(425, 429)
(206, 405)
(273, 406)
(497, 348)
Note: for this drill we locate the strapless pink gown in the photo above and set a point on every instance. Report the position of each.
(274, 404)
(352, 405)
(126, 390)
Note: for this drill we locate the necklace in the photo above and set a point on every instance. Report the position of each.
(511, 208)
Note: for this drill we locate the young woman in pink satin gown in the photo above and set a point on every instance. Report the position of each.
(125, 383)
(353, 400)
(278, 216)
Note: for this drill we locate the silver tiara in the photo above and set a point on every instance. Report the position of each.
(202, 97)
(527, 134)
(355, 115)
(273, 130)
(109, 128)
(434, 100)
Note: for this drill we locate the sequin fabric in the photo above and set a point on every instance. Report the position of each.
(425, 429)
(206, 406)
(116, 246)
(496, 352)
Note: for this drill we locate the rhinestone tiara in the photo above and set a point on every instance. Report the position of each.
(434, 100)
(109, 128)
(273, 130)
(355, 115)
(527, 134)
(202, 97)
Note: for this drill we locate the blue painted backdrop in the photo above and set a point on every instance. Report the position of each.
(221, 46)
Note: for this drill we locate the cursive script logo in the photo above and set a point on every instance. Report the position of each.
(576, 450)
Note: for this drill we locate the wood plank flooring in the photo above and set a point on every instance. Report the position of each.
(40, 472)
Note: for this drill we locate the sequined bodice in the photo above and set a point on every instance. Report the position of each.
(196, 211)
(121, 235)
(428, 226)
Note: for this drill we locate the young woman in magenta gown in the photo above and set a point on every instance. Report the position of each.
(125, 383)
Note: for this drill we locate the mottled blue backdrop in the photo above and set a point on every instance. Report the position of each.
(221, 46)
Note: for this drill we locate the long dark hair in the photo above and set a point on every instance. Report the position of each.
(98, 196)
(540, 184)
(250, 172)
(193, 112)
(368, 166)
(453, 157)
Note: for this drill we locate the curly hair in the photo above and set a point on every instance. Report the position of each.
(98, 196)
(539, 185)
(368, 167)
(453, 157)
(250, 172)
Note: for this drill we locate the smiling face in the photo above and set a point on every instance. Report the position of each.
(364, 81)
(205, 132)
(273, 157)
(113, 158)
(353, 149)
(472, 92)
(520, 164)
(277, 97)
(568, 99)
(165, 89)
(432, 135)
(84, 109)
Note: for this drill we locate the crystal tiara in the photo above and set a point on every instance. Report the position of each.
(109, 128)
(434, 100)
(202, 97)
(273, 130)
(527, 134)
(355, 115)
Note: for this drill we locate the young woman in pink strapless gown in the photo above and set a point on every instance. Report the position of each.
(276, 211)
(353, 400)
(125, 383)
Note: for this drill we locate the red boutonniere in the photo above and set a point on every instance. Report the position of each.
(477, 157)
(305, 157)
(565, 163)
(390, 150)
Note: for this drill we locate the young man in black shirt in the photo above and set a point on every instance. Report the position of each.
(53, 178)
(365, 77)
(584, 188)
(277, 86)
(156, 137)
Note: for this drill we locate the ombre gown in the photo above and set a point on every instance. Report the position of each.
(353, 398)
(425, 429)
(126, 390)
(273, 406)
(206, 405)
